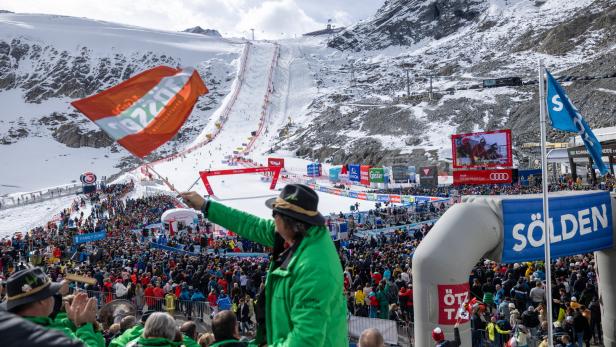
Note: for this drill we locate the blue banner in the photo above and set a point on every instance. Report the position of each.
(353, 194)
(382, 198)
(171, 249)
(91, 237)
(354, 173)
(524, 175)
(579, 224)
(314, 169)
(566, 117)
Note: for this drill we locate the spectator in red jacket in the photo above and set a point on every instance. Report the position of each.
(149, 295)
(377, 277)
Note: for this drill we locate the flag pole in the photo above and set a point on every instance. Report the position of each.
(192, 185)
(546, 209)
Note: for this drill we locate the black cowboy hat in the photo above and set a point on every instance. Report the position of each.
(299, 202)
(26, 286)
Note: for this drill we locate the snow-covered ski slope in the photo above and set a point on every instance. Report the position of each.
(283, 86)
(51, 55)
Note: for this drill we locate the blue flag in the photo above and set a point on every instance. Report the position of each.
(565, 116)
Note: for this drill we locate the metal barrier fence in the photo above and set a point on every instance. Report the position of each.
(39, 196)
(394, 333)
(533, 339)
(189, 309)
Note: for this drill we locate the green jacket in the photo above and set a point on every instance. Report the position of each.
(85, 333)
(153, 341)
(127, 336)
(188, 342)
(226, 343)
(305, 304)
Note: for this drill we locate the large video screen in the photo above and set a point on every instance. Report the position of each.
(485, 149)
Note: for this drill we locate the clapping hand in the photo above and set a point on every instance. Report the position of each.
(82, 310)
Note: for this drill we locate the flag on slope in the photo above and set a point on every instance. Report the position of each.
(147, 110)
(565, 116)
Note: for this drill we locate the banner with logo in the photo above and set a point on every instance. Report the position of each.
(476, 177)
(400, 173)
(578, 223)
(354, 173)
(382, 198)
(525, 176)
(364, 172)
(428, 176)
(314, 170)
(451, 297)
(275, 162)
(377, 175)
(91, 237)
(172, 249)
(88, 178)
(566, 117)
(147, 110)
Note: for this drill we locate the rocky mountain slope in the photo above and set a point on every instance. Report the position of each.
(42, 71)
(48, 61)
(362, 112)
(206, 32)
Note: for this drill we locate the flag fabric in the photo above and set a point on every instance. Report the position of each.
(566, 117)
(147, 110)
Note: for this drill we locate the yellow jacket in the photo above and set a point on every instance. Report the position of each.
(360, 297)
(170, 302)
(492, 329)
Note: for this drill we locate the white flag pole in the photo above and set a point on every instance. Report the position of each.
(546, 209)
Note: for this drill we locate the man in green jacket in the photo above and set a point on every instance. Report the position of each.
(30, 295)
(304, 299)
(159, 330)
(131, 333)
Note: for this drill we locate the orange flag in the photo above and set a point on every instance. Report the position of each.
(147, 110)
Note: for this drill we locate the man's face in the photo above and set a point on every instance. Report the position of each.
(46, 306)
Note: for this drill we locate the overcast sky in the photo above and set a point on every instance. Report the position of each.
(269, 18)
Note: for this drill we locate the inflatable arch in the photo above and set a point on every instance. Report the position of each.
(504, 228)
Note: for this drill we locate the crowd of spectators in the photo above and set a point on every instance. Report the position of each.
(510, 298)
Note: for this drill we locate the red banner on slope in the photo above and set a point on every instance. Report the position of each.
(147, 110)
(478, 177)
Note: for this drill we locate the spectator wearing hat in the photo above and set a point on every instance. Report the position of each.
(439, 337)
(18, 332)
(30, 295)
(303, 299)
